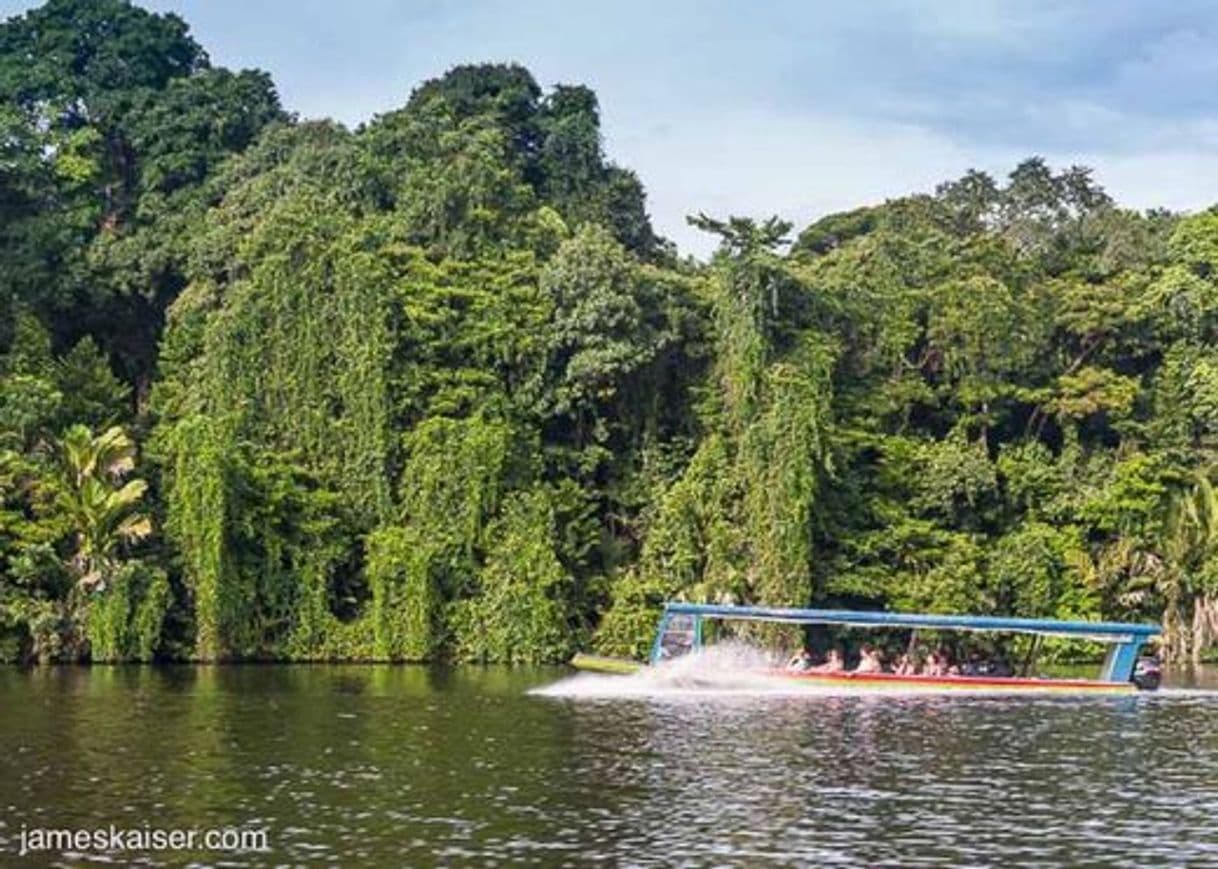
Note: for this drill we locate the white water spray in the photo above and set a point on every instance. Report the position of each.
(730, 668)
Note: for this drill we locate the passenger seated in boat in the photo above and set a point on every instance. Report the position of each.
(906, 666)
(1001, 668)
(834, 663)
(939, 664)
(869, 660)
(800, 661)
(974, 666)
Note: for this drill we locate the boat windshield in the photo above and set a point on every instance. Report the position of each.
(678, 636)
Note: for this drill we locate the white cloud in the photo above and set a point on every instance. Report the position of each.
(757, 164)
(1183, 180)
(802, 168)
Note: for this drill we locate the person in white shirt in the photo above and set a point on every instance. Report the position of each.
(869, 660)
(800, 661)
(834, 663)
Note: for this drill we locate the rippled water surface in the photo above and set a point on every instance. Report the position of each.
(406, 766)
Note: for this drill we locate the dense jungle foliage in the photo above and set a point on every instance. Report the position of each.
(435, 389)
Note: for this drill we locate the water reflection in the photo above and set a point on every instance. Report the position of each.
(415, 766)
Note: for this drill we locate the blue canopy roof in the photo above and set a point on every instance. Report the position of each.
(1111, 632)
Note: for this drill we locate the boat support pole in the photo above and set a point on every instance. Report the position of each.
(657, 643)
(1030, 658)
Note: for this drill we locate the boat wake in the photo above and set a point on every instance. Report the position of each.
(1186, 694)
(724, 669)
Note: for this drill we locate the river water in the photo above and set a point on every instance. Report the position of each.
(400, 766)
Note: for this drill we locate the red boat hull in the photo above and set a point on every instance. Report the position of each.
(976, 684)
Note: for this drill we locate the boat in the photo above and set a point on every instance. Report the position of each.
(681, 631)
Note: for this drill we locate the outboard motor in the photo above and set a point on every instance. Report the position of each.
(1147, 673)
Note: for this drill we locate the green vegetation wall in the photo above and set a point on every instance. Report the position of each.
(435, 389)
(397, 402)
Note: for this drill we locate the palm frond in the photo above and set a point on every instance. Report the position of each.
(134, 528)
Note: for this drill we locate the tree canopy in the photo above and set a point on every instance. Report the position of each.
(434, 388)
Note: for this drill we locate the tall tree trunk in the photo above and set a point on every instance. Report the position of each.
(1205, 625)
(1176, 631)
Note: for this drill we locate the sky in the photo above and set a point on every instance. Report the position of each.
(792, 108)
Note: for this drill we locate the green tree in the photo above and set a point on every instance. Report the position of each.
(115, 118)
(103, 507)
(1188, 580)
